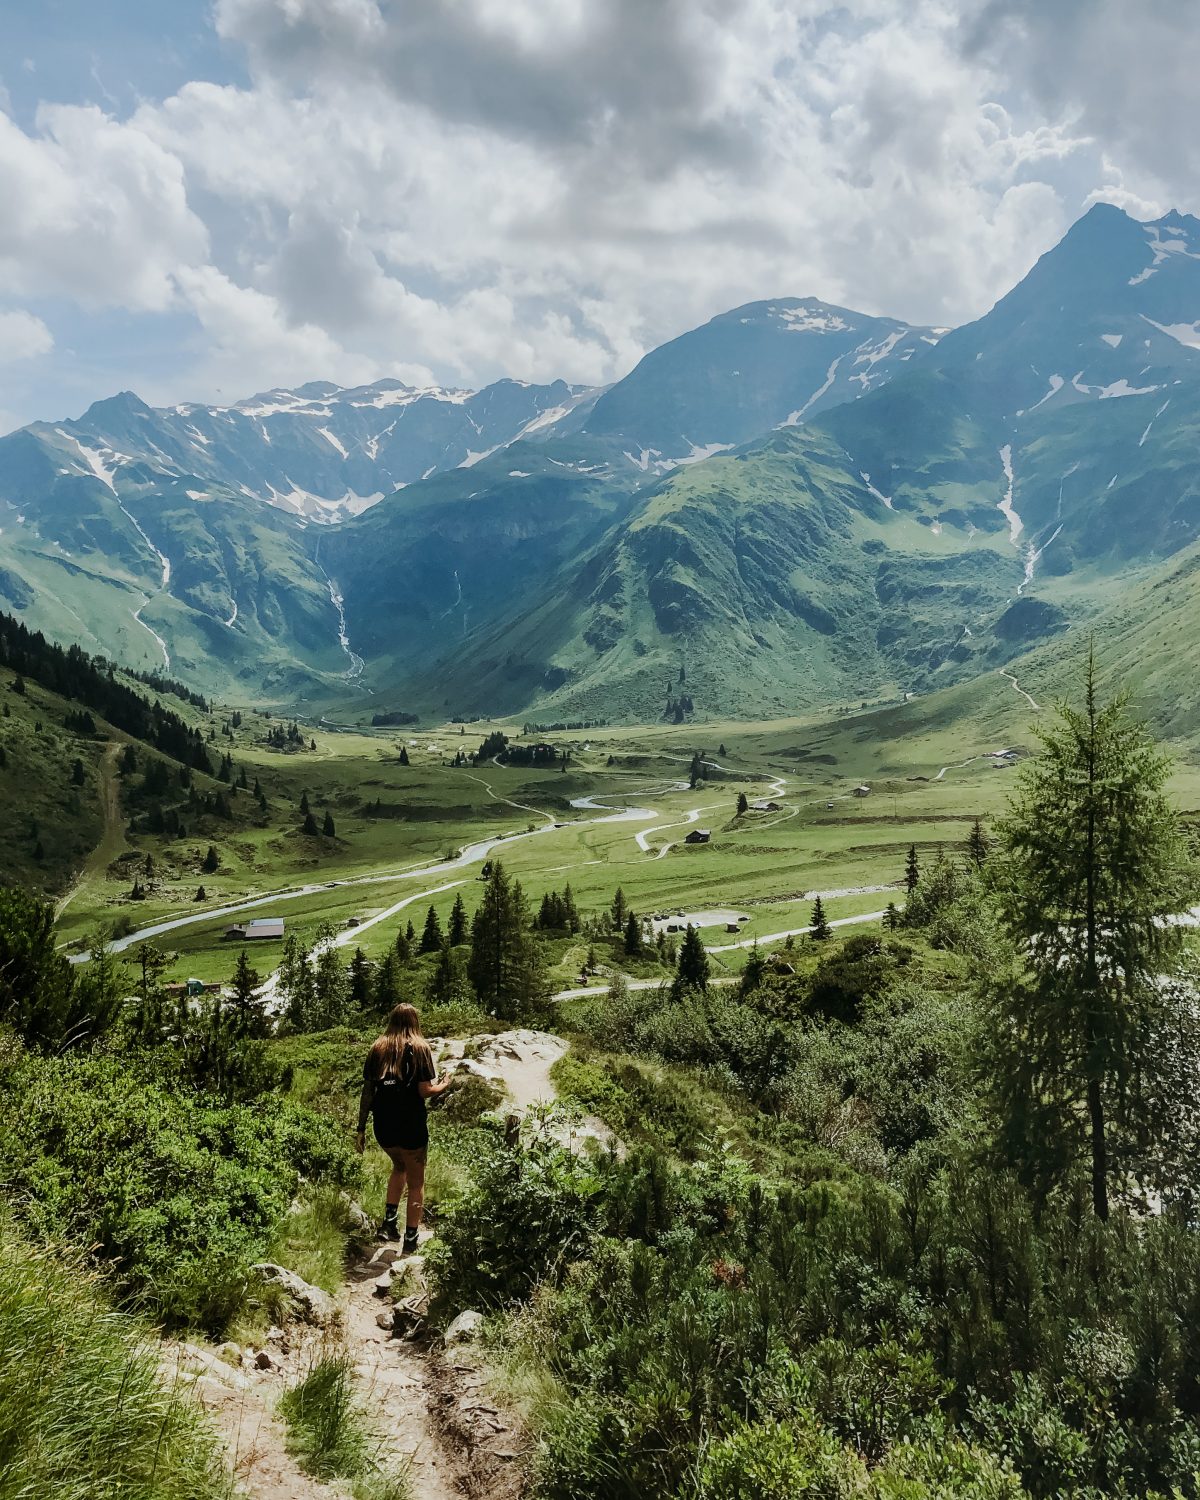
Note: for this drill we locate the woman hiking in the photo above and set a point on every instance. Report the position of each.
(398, 1077)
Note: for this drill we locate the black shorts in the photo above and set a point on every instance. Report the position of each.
(409, 1140)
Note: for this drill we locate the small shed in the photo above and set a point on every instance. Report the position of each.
(765, 804)
(862, 791)
(259, 930)
(698, 836)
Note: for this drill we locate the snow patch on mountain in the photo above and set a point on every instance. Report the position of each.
(871, 490)
(1015, 524)
(797, 416)
(1187, 334)
(811, 320)
(1152, 421)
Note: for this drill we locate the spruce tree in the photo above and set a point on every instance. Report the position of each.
(753, 974)
(692, 970)
(743, 804)
(618, 910)
(633, 936)
(570, 911)
(249, 1013)
(327, 827)
(410, 932)
(456, 934)
(403, 756)
(331, 988)
(977, 845)
(310, 826)
(431, 937)
(891, 917)
(212, 860)
(304, 802)
(506, 965)
(360, 981)
(386, 991)
(1091, 867)
(820, 928)
(912, 870)
(402, 947)
(78, 775)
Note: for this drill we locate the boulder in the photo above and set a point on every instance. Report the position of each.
(465, 1328)
(310, 1302)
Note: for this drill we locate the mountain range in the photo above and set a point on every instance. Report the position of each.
(794, 505)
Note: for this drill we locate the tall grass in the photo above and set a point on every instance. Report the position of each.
(329, 1436)
(84, 1414)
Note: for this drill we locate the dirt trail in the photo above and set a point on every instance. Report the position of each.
(112, 837)
(415, 1396)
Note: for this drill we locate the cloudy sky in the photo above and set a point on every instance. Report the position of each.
(204, 198)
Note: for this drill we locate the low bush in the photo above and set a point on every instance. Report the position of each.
(176, 1192)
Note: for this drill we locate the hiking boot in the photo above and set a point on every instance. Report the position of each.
(410, 1241)
(388, 1230)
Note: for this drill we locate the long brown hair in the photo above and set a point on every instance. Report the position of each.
(403, 1031)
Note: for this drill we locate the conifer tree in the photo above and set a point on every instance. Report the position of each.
(360, 980)
(331, 991)
(743, 804)
(891, 917)
(506, 963)
(402, 947)
(820, 928)
(403, 755)
(431, 937)
(248, 1011)
(619, 910)
(633, 936)
(977, 845)
(692, 970)
(78, 775)
(386, 991)
(456, 934)
(310, 825)
(212, 860)
(1091, 866)
(912, 870)
(753, 974)
(410, 932)
(304, 802)
(327, 828)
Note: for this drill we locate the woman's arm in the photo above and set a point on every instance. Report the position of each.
(365, 1100)
(432, 1090)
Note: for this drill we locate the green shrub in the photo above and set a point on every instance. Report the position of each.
(83, 1413)
(178, 1193)
(526, 1211)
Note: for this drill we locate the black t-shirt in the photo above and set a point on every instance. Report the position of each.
(397, 1107)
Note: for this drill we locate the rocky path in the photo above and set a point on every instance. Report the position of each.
(425, 1400)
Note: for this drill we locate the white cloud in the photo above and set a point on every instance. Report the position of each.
(22, 336)
(479, 187)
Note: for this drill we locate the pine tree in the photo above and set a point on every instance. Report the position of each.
(403, 756)
(506, 965)
(570, 911)
(743, 804)
(327, 827)
(695, 772)
(295, 984)
(754, 973)
(360, 981)
(977, 845)
(410, 932)
(78, 775)
(304, 803)
(387, 985)
(1092, 862)
(457, 933)
(619, 910)
(310, 825)
(212, 860)
(692, 971)
(448, 984)
(633, 936)
(331, 988)
(820, 928)
(402, 947)
(891, 917)
(248, 1010)
(912, 871)
(201, 894)
(431, 937)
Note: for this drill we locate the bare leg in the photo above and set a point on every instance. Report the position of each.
(395, 1186)
(414, 1166)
